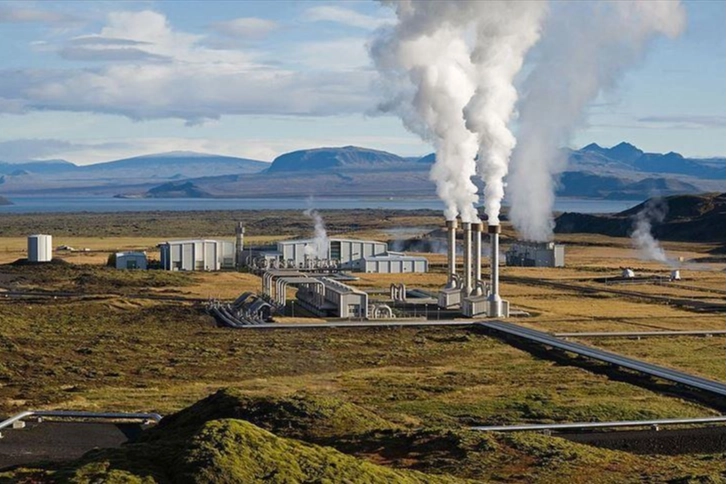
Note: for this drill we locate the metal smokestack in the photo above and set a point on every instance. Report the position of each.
(494, 299)
(451, 253)
(467, 286)
(477, 227)
(239, 234)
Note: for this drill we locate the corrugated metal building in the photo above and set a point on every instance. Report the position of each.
(131, 260)
(40, 248)
(347, 252)
(353, 255)
(197, 255)
(394, 263)
(536, 254)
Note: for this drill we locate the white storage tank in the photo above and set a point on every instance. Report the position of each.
(40, 248)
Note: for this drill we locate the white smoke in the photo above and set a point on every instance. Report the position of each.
(585, 50)
(505, 31)
(653, 212)
(425, 66)
(319, 248)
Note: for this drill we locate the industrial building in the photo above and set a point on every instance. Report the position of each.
(131, 260)
(394, 263)
(197, 255)
(536, 254)
(40, 248)
(344, 254)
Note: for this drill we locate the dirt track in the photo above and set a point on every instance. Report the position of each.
(705, 440)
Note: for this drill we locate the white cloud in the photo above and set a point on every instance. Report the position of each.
(347, 53)
(345, 16)
(245, 27)
(21, 150)
(159, 72)
(32, 15)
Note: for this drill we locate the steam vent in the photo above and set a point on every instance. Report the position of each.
(468, 291)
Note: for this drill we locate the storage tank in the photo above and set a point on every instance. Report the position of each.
(40, 248)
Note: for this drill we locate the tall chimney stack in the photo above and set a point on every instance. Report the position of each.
(239, 234)
(477, 227)
(451, 253)
(467, 284)
(495, 301)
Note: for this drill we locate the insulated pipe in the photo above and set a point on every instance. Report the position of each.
(451, 252)
(467, 287)
(495, 300)
(477, 227)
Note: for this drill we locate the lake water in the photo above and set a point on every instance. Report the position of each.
(101, 204)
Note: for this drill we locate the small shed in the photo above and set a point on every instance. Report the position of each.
(131, 260)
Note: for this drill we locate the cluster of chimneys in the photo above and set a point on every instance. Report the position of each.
(471, 281)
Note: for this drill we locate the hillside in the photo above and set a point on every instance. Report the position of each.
(109, 177)
(327, 159)
(230, 437)
(689, 218)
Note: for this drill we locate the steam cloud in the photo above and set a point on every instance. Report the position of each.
(319, 248)
(448, 70)
(586, 49)
(505, 31)
(426, 70)
(653, 212)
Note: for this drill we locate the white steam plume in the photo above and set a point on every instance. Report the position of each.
(319, 248)
(586, 48)
(505, 31)
(649, 248)
(425, 65)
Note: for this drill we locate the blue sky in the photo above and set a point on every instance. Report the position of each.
(93, 81)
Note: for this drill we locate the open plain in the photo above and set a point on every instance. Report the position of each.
(79, 335)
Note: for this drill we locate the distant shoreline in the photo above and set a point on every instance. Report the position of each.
(27, 205)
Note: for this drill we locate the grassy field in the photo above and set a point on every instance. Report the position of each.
(110, 349)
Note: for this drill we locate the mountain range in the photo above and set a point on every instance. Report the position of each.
(620, 172)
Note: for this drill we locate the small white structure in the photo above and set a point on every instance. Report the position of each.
(131, 260)
(40, 248)
(628, 273)
(675, 275)
(197, 255)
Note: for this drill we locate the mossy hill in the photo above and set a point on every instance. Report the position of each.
(220, 440)
(687, 218)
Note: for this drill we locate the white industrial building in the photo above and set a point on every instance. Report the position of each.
(40, 248)
(394, 263)
(197, 255)
(131, 260)
(349, 254)
(536, 254)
